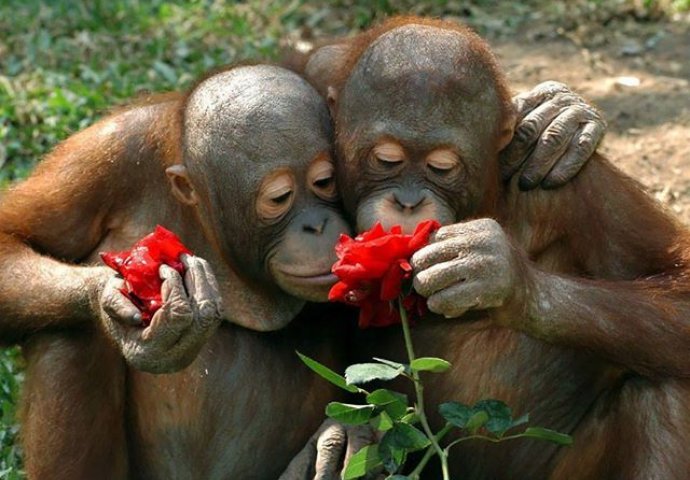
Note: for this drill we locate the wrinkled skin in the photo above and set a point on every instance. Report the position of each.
(307, 233)
(331, 447)
(191, 312)
(455, 281)
(557, 131)
(240, 169)
(569, 304)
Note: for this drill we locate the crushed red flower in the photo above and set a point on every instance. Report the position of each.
(139, 267)
(372, 268)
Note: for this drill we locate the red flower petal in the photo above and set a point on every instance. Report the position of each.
(338, 292)
(422, 232)
(140, 265)
(385, 315)
(391, 283)
(113, 260)
(372, 267)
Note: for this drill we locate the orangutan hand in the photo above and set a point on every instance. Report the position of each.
(190, 313)
(557, 132)
(469, 266)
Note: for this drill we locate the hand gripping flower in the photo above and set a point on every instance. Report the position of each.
(139, 268)
(372, 269)
(374, 274)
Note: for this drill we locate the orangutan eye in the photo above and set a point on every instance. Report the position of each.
(321, 176)
(389, 153)
(442, 161)
(281, 199)
(276, 195)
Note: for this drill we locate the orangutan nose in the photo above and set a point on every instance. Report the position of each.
(315, 226)
(408, 201)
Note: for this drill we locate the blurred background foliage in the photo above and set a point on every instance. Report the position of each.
(63, 63)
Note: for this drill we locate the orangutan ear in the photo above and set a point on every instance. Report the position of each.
(324, 65)
(332, 99)
(505, 135)
(181, 186)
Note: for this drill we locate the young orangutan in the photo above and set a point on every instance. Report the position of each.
(570, 304)
(239, 167)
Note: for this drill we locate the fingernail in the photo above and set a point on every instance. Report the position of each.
(165, 271)
(552, 183)
(526, 183)
(137, 317)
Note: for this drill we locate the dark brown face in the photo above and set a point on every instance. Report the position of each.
(258, 147)
(298, 206)
(418, 125)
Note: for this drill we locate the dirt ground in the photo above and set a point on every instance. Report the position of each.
(638, 74)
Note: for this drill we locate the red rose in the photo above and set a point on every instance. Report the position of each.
(372, 267)
(139, 267)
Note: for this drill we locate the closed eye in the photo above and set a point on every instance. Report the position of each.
(388, 154)
(437, 170)
(321, 174)
(442, 161)
(323, 182)
(281, 199)
(276, 195)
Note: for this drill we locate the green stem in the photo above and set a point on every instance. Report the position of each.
(430, 452)
(419, 391)
(486, 438)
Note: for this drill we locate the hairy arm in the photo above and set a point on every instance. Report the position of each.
(596, 265)
(53, 220)
(630, 300)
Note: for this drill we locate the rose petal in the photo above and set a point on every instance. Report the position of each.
(338, 292)
(140, 266)
(420, 237)
(391, 284)
(372, 267)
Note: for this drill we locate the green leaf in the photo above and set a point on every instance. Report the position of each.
(456, 413)
(410, 418)
(397, 442)
(327, 374)
(391, 363)
(494, 415)
(395, 404)
(350, 414)
(392, 458)
(476, 421)
(368, 372)
(362, 462)
(430, 364)
(520, 421)
(407, 437)
(166, 71)
(548, 435)
(500, 415)
(382, 422)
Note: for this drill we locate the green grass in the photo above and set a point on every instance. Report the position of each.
(63, 63)
(68, 62)
(10, 379)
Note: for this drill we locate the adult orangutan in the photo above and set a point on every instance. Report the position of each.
(257, 203)
(571, 304)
